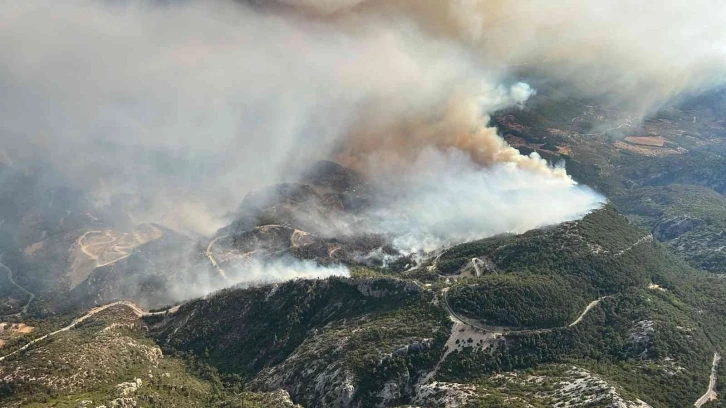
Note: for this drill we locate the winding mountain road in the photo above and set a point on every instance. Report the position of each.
(486, 263)
(213, 261)
(711, 392)
(12, 280)
(587, 309)
(469, 322)
(134, 308)
(122, 251)
(476, 262)
(647, 238)
(459, 319)
(435, 263)
(116, 245)
(613, 128)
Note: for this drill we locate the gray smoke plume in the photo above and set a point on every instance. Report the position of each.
(450, 199)
(178, 111)
(637, 53)
(257, 272)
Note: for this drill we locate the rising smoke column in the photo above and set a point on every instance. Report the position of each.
(123, 100)
(460, 122)
(450, 199)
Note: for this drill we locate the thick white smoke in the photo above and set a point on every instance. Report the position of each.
(450, 199)
(181, 110)
(256, 272)
(199, 103)
(282, 270)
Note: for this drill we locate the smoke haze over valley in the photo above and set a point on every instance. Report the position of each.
(122, 101)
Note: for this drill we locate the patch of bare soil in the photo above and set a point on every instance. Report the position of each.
(33, 248)
(10, 330)
(649, 151)
(656, 141)
(509, 122)
(564, 150)
(558, 132)
(515, 140)
(95, 249)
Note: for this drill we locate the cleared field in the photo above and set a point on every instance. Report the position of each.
(9, 330)
(656, 141)
(651, 151)
(107, 247)
(95, 249)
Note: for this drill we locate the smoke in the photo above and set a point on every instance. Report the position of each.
(383, 147)
(451, 199)
(254, 272)
(635, 53)
(282, 270)
(129, 103)
(176, 112)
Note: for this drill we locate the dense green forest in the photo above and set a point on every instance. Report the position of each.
(519, 301)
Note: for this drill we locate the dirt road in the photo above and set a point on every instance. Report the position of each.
(711, 392)
(469, 322)
(587, 309)
(122, 251)
(12, 280)
(211, 257)
(116, 245)
(134, 307)
(647, 238)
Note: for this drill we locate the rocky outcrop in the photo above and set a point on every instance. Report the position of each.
(672, 228)
(584, 388)
(444, 394)
(127, 388)
(640, 339)
(413, 348)
(120, 403)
